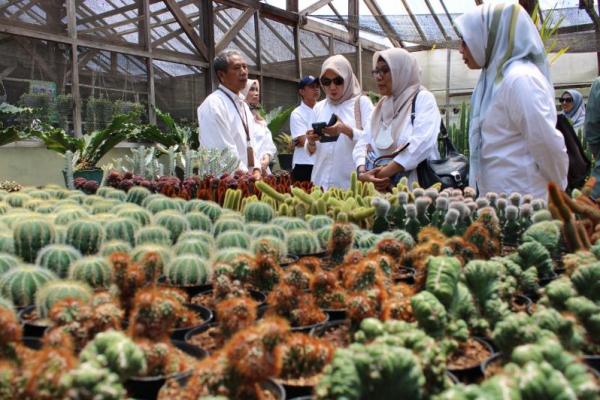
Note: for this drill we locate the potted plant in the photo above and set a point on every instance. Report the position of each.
(9, 117)
(283, 142)
(276, 119)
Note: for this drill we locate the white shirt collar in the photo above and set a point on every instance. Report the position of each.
(235, 96)
(303, 104)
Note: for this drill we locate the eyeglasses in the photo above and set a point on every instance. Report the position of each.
(380, 71)
(338, 81)
(565, 100)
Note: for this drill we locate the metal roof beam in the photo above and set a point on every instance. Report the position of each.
(384, 23)
(414, 21)
(234, 30)
(314, 7)
(437, 20)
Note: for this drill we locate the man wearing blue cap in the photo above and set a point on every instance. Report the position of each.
(301, 121)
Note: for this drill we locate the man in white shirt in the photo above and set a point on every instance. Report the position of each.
(301, 121)
(224, 117)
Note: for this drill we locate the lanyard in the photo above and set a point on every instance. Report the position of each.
(244, 120)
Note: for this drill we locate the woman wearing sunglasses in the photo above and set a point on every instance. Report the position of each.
(571, 102)
(397, 76)
(513, 143)
(333, 150)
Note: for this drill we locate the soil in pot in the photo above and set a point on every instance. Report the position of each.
(521, 303)
(336, 332)
(492, 366)
(207, 337)
(466, 361)
(203, 317)
(32, 325)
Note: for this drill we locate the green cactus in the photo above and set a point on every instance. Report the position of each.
(324, 236)
(340, 242)
(164, 253)
(174, 222)
(565, 329)
(443, 274)
(206, 237)
(210, 208)
(7, 261)
(187, 270)
(90, 381)
(30, 236)
(557, 292)
(227, 224)
(114, 246)
(422, 205)
(547, 233)
(116, 352)
(7, 243)
(162, 204)
(269, 230)
(534, 254)
(57, 258)
(138, 214)
(587, 312)
(228, 255)
(93, 270)
(365, 240)
(54, 291)
(239, 239)
(483, 278)
(121, 229)
(586, 280)
(411, 223)
(269, 246)
(153, 234)
(192, 247)
(515, 330)
(86, 236)
(511, 229)
(430, 314)
(302, 242)
(68, 215)
(439, 214)
(20, 284)
(17, 199)
(137, 195)
(290, 224)
(258, 212)
(317, 222)
(269, 191)
(199, 221)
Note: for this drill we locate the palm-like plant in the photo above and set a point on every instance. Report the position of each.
(548, 29)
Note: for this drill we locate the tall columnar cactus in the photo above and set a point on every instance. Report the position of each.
(162, 204)
(93, 270)
(187, 270)
(86, 236)
(412, 224)
(7, 261)
(199, 221)
(20, 284)
(174, 222)
(449, 227)
(30, 236)
(57, 258)
(430, 314)
(382, 207)
(137, 194)
(114, 246)
(121, 229)
(511, 230)
(269, 230)
(238, 239)
(55, 291)
(439, 214)
(258, 212)
(195, 247)
(302, 242)
(227, 224)
(153, 234)
(138, 214)
(442, 278)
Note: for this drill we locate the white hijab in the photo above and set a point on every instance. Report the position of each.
(341, 66)
(391, 111)
(497, 35)
(244, 92)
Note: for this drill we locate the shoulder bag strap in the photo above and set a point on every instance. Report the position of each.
(357, 114)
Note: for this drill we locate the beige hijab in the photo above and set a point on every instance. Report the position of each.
(341, 66)
(392, 111)
(244, 92)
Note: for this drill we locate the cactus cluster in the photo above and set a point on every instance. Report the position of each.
(30, 236)
(187, 270)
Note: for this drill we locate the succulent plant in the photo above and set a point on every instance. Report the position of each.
(231, 238)
(90, 381)
(137, 214)
(137, 194)
(235, 314)
(258, 211)
(153, 234)
(157, 205)
(290, 224)
(227, 224)
(340, 242)
(210, 208)
(269, 246)
(174, 222)
(20, 284)
(317, 222)
(302, 242)
(93, 270)
(199, 221)
(121, 229)
(7, 243)
(382, 208)
(192, 247)
(187, 270)
(547, 233)
(7, 261)
(30, 236)
(228, 255)
(68, 215)
(57, 290)
(206, 237)
(270, 230)
(86, 236)
(114, 246)
(511, 230)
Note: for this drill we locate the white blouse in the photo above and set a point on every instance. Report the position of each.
(263, 139)
(333, 161)
(422, 136)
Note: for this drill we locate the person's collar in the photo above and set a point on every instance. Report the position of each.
(307, 106)
(236, 96)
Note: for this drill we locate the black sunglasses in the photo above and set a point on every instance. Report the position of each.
(338, 80)
(565, 100)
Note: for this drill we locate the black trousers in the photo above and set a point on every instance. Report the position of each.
(302, 172)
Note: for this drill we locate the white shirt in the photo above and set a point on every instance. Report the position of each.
(221, 126)
(333, 161)
(422, 136)
(521, 151)
(263, 139)
(301, 121)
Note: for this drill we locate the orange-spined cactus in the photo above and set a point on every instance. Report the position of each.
(327, 290)
(266, 274)
(154, 315)
(298, 276)
(128, 276)
(236, 314)
(302, 356)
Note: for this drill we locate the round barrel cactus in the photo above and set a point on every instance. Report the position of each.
(162, 204)
(139, 253)
(121, 229)
(198, 235)
(138, 214)
(269, 246)
(45, 208)
(114, 246)
(20, 284)
(210, 208)
(137, 194)
(58, 258)
(4, 207)
(86, 236)
(101, 207)
(199, 221)
(229, 254)
(93, 270)
(61, 234)
(187, 270)
(7, 261)
(116, 194)
(193, 247)
(30, 236)
(33, 204)
(227, 224)
(269, 230)
(40, 194)
(302, 242)
(16, 199)
(174, 222)
(291, 223)
(317, 222)
(153, 234)
(239, 239)
(251, 227)
(68, 215)
(258, 211)
(54, 291)
(324, 234)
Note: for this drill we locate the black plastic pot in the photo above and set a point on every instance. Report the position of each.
(547, 279)
(336, 314)
(296, 391)
(299, 398)
(526, 301)
(593, 361)
(308, 328)
(33, 343)
(406, 274)
(275, 388)
(204, 313)
(94, 174)
(31, 328)
(285, 161)
(319, 254)
(490, 360)
(289, 260)
(473, 374)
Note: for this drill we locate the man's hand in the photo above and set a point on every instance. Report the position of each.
(381, 184)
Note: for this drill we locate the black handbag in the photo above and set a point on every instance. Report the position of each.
(451, 170)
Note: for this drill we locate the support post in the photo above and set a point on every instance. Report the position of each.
(146, 34)
(448, 59)
(72, 29)
(208, 33)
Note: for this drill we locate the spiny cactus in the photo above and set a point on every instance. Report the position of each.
(153, 234)
(57, 258)
(89, 380)
(210, 208)
(57, 290)
(534, 254)
(30, 236)
(258, 212)
(302, 242)
(114, 246)
(586, 280)
(198, 235)
(269, 246)
(382, 207)
(340, 242)
(513, 331)
(199, 221)
(228, 255)
(20, 284)
(162, 204)
(303, 356)
(192, 247)
(69, 215)
(290, 223)
(121, 229)
(233, 238)
(93, 270)
(7, 261)
(7, 243)
(511, 230)
(174, 222)
(137, 214)
(270, 230)
(227, 224)
(235, 314)
(86, 236)
(547, 233)
(317, 222)
(137, 194)
(411, 223)
(187, 270)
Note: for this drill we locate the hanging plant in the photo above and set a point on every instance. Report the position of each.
(129, 107)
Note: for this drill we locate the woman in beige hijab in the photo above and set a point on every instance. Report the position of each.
(333, 150)
(391, 127)
(265, 148)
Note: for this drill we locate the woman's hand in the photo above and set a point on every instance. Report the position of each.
(381, 184)
(340, 127)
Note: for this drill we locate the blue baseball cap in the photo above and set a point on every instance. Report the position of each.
(307, 80)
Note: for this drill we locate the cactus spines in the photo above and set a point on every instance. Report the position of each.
(382, 207)
(7, 243)
(30, 236)
(290, 223)
(258, 212)
(269, 246)
(235, 314)
(269, 230)
(302, 242)
(317, 222)
(174, 222)
(340, 242)
(187, 270)
(137, 194)
(511, 229)
(412, 224)
(227, 224)
(162, 203)
(68, 215)
(153, 234)
(193, 247)
(268, 190)
(238, 239)
(7, 261)
(55, 291)
(116, 352)
(198, 235)
(86, 236)
(199, 221)
(450, 222)
(93, 270)
(57, 258)
(121, 229)
(441, 207)
(141, 253)
(114, 246)
(20, 284)
(210, 208)
(138, 214)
